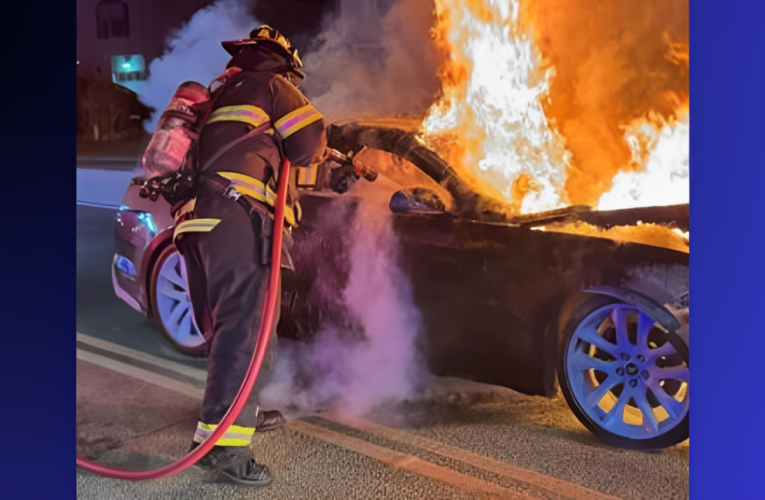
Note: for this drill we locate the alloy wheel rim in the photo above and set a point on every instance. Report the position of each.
(174, 304)
(625, 375)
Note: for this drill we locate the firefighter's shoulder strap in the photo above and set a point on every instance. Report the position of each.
(228, 146)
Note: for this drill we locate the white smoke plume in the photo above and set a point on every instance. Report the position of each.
(371, 63)
(355, 376)
(367, 61)
(195, 53)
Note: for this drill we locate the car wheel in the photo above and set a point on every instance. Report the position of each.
(621, 377)
(171, 305)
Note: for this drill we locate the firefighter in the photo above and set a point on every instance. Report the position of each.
(224, 231)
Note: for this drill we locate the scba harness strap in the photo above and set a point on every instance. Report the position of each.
(235, 185)
(186, 222)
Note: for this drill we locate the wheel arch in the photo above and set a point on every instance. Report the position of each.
(627, 295)
(650, 306)
(153, 250)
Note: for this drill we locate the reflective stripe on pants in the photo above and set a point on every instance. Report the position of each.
(234, 435)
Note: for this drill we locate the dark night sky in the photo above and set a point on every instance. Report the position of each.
(299, 20)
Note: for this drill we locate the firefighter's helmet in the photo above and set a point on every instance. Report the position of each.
(269, 37)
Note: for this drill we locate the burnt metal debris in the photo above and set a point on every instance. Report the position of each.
(468, 204)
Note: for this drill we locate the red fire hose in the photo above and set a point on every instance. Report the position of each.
(266, 326)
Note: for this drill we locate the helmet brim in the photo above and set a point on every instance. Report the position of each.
(234, 46)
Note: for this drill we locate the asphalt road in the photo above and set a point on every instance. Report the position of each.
(138, 400)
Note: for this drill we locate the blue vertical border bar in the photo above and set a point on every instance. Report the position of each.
(37, 206)
(728, 248)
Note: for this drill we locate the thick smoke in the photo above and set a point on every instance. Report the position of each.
(616, 63)
(194, 53)
(385, 366)
(368, 64)
(371, 58)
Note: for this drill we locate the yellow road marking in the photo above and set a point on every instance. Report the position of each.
(557, 486)
(140, 374)
(197, 374)
(406, 462)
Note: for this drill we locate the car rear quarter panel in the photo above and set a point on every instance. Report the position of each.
(133, 240)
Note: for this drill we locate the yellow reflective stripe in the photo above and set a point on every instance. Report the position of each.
(244, 184)
(240, 177)
(253, 193)
(246, 113)
(306, 176)
(296, 120)
(232, 442)
(289, 214)
(250, 186)
(195, 226)
(235, 435)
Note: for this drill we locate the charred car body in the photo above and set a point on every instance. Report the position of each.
(501, 301)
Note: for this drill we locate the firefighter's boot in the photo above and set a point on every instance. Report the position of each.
(236, 464)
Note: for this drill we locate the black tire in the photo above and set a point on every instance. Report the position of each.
(166, 253)
(676, 431)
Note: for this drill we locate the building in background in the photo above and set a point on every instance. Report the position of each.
(117, 39)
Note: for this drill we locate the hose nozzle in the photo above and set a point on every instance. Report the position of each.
(359, 169)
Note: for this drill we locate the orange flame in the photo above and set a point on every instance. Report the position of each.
(545, 103)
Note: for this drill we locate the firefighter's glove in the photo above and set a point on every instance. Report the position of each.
(342, 179)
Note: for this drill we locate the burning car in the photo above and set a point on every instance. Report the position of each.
(594, 303)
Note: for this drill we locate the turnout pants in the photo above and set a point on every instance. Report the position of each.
(222, 246)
